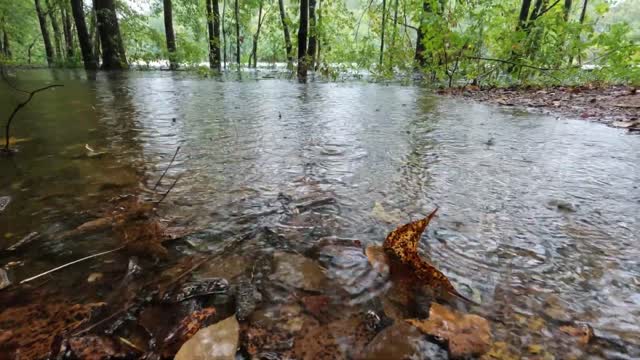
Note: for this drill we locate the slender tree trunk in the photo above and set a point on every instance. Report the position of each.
(384, 19)
(113, 56)
(169, 34)
(311, 50)
(287, 37)
(29, 51)
(395, 31)
(45, 33)
(319, 11)
(584, 12)
(88, 57)
(237, 16)
(421, 57)
(567, 9)
(213, 25)
(224, 36)
(57, 38)
(95, 35)
(68, 33)
(524, 14)
(302, 41)
(6, 48)
(1, 44)
(254, 52)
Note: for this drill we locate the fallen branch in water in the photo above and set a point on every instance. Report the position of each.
(167, 169)
(170, 188)
(70, 263)
(15, 111)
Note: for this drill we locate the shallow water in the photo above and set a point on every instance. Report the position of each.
(535, 213)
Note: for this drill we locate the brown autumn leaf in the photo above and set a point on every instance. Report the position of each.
(584, 332)
(466, 334)
(188, 327)
(402, 247)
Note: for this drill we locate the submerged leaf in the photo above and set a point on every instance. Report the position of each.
(466, 335)
(216, 342)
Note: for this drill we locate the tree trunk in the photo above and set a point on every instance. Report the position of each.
(302, 41)
(384, 19)
(57, 38)
(524, 14)
(169, 34)
(95, 36)
(319, 41)
(68, 33)
(45, 33)
(6, 48)
(237, 16)
(584, 12)
(213, 24)
(224, 36)
(254, 52)
(113, 55)
(311, 50)
(88, 57)
(395, 31)
(421, 57)
(567, 9)
(287, 37)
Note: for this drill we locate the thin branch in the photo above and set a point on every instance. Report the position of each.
(408, 26)
(170, 188)
(20, 106)
(167, 169)
(547, 9)
(70, 263)
(510, 62)
(360, 20)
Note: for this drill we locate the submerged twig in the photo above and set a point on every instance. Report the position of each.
(69, 264)
(20, 106)
(167, 169)
(170, 188)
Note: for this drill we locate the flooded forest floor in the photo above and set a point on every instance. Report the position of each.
(617, 105)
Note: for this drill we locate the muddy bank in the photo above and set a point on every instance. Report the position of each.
(617, 106)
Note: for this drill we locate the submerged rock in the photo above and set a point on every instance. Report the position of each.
(247, 299)
(299, 272)
(216, 342)
(4, 202)
(192, 289)
(4, 279)
(402, 341)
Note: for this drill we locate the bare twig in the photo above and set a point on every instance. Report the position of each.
(408, 26)
(70, 263)
(510, 62)
(20, 106)
(168, 191)
(547, 9)
(167, 169)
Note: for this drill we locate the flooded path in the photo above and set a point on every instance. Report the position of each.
(539, 217)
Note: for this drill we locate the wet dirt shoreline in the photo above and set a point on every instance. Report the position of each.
(615, 106)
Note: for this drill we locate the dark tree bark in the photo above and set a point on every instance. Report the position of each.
(567, 9)
(213, 19)
(57, 36)
(6, 47)
(421, 56)
(584, 12)
(524, 14)
(254, 51)
(237, 16)
(68, 32)
(48, 49)
(95, 36)
(384, 18)
(319, 41)
(302, 41)
(113, 55)
(224, 36)
(169, 34)
(285, 29)
(311, 50)
(395, 30)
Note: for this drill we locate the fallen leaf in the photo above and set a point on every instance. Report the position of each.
(187, 328)
(97, 348)
(466, 334)
(402, 247)
(584, 332)
(216, 342)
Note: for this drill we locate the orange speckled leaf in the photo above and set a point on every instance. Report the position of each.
(190, 325)
(428, 274)
(403, 241)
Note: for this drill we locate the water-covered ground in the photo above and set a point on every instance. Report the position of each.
(538, 217)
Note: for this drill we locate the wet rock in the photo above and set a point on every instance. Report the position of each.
(4, 202)
(298, 271)
(192, 289)
(227, 267)
(94, 277)
(556, 309)
(402, 341)
(4, 279)
(215, 342)
(561, 205)
(393, 217)
(247, 299)
(341, 339)
(582, 332)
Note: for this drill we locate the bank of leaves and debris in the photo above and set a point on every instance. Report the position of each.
(617, 106)
(335, 299)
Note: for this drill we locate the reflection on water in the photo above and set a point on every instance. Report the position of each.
(532, 208)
